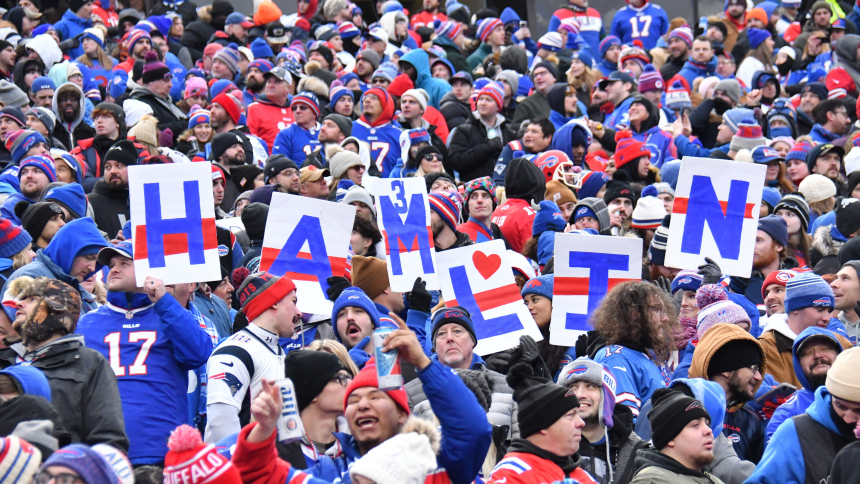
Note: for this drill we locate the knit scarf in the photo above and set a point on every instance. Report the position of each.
(685, 332)
(739, 24)
(698, 65)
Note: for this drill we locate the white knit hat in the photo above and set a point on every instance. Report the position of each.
(843, 380)
(340, 160)
(852, 161)
(816, 188)
(649, 213)
(402, 459)
(417, 94)
(135, 111)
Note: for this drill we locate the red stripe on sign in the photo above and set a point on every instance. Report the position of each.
(578, 286)
(140, 249)
(210, 234)
(680, 206)
(494, 298)
(175, 244)
(402, 248)
(267, 256)
(304, 255)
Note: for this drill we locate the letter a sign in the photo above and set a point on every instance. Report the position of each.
(308, 241)
(715, 214)
(403, 210)
(173, 223)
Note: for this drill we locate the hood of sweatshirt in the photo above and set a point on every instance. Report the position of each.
(77, 238)
(811, 332)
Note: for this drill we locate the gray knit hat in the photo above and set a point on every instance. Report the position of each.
(731, 87)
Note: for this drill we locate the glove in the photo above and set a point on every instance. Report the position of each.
(336, 285)
(499, 362)
(529, 349)
(166, 138)
(721, 105)
(357, 353)
(664, 284)
(770, 406)
(710, 272)
(419, 298)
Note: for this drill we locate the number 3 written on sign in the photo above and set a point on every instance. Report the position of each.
(138, 367)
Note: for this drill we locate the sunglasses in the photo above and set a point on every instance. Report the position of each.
(430, 156)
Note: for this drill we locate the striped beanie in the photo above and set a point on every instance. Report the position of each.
(21, 141)
(198, 116)
(686, 281)
(748, 136)
(649, 213)
(651, 80)
(42, 162)
(486, 26)
(347, 30)
(13, 239)
(495, 91)
(799, 152)
(715, 307)
(94, 34)
(657, 250)
(677, 98)
(797, 204)
(260, 291)
(262, 64)
(309, 99)
(684, 33)
(338, 92)
(229, 55)
(540, 285)
(807, 290)
(19, 460)
(608, 42)
(134, 36)
(448, 29)
(570, 25)
(448, 206)
(551, 41)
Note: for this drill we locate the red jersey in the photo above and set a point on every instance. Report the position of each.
(426, 18)
(266, 120)
(521, 468)
(515, 218)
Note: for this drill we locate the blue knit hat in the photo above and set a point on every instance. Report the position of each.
(775, 226)
(545, 247)
(808, 290)
(585, 56)
(457, 315)
(548, 217)
(262, 64)
(13, 239)
(771, 196)
(93, 35)
(41, 162)
(21, 141)
(540, 285)
(71, 196)
(757, 36)
(88, 463)
(448, 206)
(584, 211)
(686, 281)
(31, 380)
(261, 49)
(592, 183)
(733, 117)
(41, 83)
(353, 296)
(606, 43)
(338, 92)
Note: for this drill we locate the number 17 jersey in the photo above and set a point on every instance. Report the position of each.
(384, 141)
(646, 24)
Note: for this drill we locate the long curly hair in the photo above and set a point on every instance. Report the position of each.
(625, 314)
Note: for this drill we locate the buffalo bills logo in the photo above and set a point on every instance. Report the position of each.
(453, 314)
(576, 371)
(693, 405)
(734, 438)
(582, 211)
(223, 250)
(625, 191)
(547, 162)
(822, 302)
(769, 152)
(685, 280)
(533, 283)
(29, 144)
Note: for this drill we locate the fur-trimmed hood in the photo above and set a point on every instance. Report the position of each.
(314, 85)
(423, 427)
(205, 13)
(824, 242)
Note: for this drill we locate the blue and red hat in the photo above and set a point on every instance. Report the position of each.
(199, 116)
(448, 206)
(486, 26)
(261, 291)
(686, 281)
(262, 64)
(42, 162)
(308, 99)
(540, 285)
(13, 239)
(456, 315)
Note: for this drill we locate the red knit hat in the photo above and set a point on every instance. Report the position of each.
(261, 291)
(190, 461)
(225, 101)
(367, 378)
(628, 149)
(780, 277)
(400, 85)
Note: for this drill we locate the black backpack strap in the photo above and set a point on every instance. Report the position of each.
(819, 447)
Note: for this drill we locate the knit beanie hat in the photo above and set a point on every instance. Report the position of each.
(735, 354)
(583, 369)
(672, 411)
(406, 458)
(748, 136)
(153, 69)
(13, 238)
(35, 216)
(19, 460)
(820, 150)
(847, 216)
(816, 188)
(650, 80)
(341, 160)
(556, 192)
(628, 148)
(260, 291)
(592, 182)
(715, 307)
(310, 372)
(495, 91)
(648, 214)
(548, 217)
(357, 193)
(42, 162)
(191, 461)
(757, 36)
(254, 217)
(88, 463)
(484, 183)
(808, 290)
(540, 285)
(69, 195)
(45, 116)
(733, 117)
(551, 41)
(776, 227)
(677, 98)
(21, 141)
(308, 99)
(686, 281)
(353, 296)
(486, 26)
(448, 206)
(367, 378)
(619, 188)
(780, 277)
(370, 275)
(684, 33)
(261, 50)
(843, 379)
(795, 202)
(659, 243)
(229, 104)
(198, 116)
(230, 56)
(540, 402)
(732, 88)
(456, 315)
(123, 152)
(606, 43)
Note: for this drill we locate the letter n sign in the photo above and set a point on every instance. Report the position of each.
(715, 214)
(403, 214)
(173, 223)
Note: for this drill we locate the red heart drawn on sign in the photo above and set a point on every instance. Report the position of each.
(486, 265)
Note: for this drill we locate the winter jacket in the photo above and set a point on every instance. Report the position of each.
(216, 310)
(83, 390)
(654, 467)
(110, 207)
(8, 210)
(659, 143)
(266, 120)
(198, 33)
(186, 9)
(466, 435)
(172, 342)
(623, 447)
(821, 135)
(800, 401)
(503, 409)
(515, 218)
(455, 111)
(777, 343)
(454, 54)
(702, 124)
(477, 57)
(693, 69)
(637, 375)
(168, 114)
(620, 116)
(479, 232)
(70, 133)
(435, 88)
(471, 152)
(526, 463)
(71, 25)
(844, 469)
(534, 106)
(803, 448)
(672, 67)
(93, 151)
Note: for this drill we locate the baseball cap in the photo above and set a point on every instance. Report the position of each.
(461, 75)
(124, 248)
(279, 73)
(312, 173)
(238, 18)
(617, 76)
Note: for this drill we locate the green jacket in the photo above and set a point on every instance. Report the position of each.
(478, 56)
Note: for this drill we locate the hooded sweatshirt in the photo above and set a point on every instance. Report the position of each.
(800, 401)
(70, 133)
(435, 88)
(524, 183)
(846, 52)
(71, 25)
(382, 136)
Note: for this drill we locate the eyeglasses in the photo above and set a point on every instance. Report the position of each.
(754, 368)
(430, 156)
(64, 478)
(342, 378)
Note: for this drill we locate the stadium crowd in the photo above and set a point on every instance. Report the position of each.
(689, 375)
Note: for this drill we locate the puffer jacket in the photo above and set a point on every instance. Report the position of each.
(454, 111)
(83, 391)
(435, 88)
(471, 153)
(503, 409)
(655, 467)
(803, 397)
(198, 33)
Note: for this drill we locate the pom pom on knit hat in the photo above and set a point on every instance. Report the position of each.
(715, 307)
(191, 461)
(748, 136)
(153, 69)
(709, 294)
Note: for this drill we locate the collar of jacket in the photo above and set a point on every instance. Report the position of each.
(66, 345)
(655, 458)
(128, 303)
(567, 464)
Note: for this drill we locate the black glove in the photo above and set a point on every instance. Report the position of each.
(664, 284)
(529, 349)
(721, 105)
(419, 298)
(710, 272)
(499, 362)
(336, 285)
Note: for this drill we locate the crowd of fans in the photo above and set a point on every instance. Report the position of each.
(688, 376)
